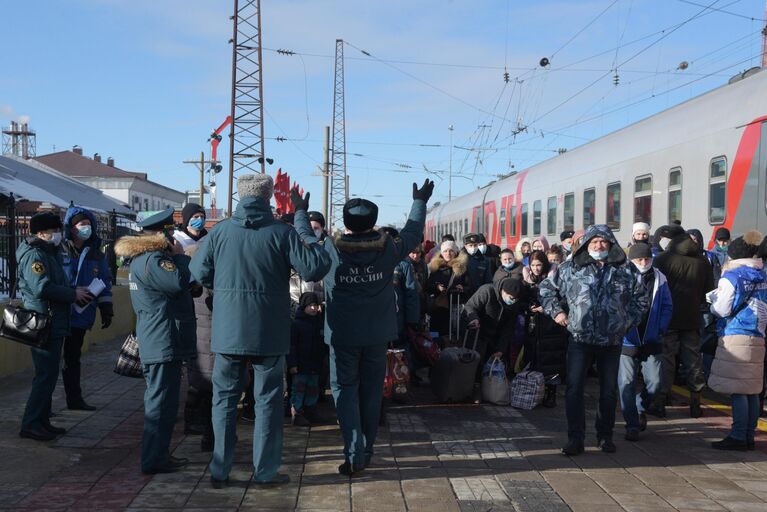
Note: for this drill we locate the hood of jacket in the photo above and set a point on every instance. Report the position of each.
(253, 213)
(459, 264)
(695, 233)
(753, 263)
(372, 241)
(132, 246)
(683, 245)
(616, 255)
(94, 240)
(543, 240)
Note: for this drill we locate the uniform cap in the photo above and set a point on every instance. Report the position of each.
(471, 238)
(158, 221)
(564, 235)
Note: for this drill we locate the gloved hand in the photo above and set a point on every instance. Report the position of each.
(299, 203)
(424, 193)
(107, 313)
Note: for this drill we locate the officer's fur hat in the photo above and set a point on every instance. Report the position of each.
(255, 185)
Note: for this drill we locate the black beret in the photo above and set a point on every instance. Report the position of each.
(640, 250)
(43, 221)
(360, 215)
(317, 217)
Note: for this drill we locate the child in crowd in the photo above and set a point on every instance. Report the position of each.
(307, 352)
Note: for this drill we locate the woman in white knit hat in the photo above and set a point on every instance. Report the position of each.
(640, 233)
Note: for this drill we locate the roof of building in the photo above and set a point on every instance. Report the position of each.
(33, 181)
(74, 164)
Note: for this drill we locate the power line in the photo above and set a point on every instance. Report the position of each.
(584, 28)
(752, 18)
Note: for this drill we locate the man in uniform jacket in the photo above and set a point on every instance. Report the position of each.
(597, 297)
(690, 277)
(480, 269)
(83, 261)
(159, 282)
(246, 261)
(361, 317)
(46, 289)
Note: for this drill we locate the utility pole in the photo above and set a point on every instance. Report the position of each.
(450, 168)
(200, 165)
(326, 176)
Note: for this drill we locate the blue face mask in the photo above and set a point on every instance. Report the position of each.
(84, 232)
(508, 266)
(598, 255)
(197, 223)
(509, 301)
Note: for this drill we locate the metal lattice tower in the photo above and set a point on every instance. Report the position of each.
(19, 140)
(246, 144)
(338, 184)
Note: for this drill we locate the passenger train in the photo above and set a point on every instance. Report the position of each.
(702, 162)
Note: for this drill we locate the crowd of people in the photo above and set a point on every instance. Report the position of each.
(273, 308)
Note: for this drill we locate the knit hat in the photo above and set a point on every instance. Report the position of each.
(564, 235)
(448, 237)
(317, 217)
(640, 226)
(78, 218)
(745, 246)
(308, 298)
(640, 250)
(190, 210)
(255, 185)
(512, 286)
(448, 245)
(722, 234)
(471, 238)
(43, 221)
(360, 215)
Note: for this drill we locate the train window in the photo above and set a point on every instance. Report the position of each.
(643, 199)
(502, 221)
(465, 226)
(537, 217)
(614, 206)
(675, 195)
(569, 224)
(717, 190)
(589, 207)
(513, 221)
(523, 214)
(551, 215)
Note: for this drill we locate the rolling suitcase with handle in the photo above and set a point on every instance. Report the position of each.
(453, 375)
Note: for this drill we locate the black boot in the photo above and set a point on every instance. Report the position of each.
(192, 422)
(550, 396)
(729, 443)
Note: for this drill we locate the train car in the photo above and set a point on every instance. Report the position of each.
(702, 163)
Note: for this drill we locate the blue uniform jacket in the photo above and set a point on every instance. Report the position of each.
(159, 290)
(661, 309)
(359, 289)
(744, 277)
(43, 283)
(94, 265)
(246, 261)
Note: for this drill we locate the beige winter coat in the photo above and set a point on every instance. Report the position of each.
(738, 365)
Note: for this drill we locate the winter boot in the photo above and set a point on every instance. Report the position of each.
(313, 415)
(695, 409)
(550, 396)
(729, 443)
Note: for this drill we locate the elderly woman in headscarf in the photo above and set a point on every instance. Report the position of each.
(448, 275)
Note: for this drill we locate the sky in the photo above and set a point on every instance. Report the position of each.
(146, 81)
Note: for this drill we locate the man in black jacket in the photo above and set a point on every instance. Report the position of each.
(690, 277)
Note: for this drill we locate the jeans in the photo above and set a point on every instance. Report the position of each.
(229, 374)
(305, 391)
(163, 385)
(46, 362)
(745, 416)
(356, 379)
(70, 372)
(579, 359)
(633, 403)
(686, 343)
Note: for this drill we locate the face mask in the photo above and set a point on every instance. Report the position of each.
(643, 268)
(317, 232)
(197, 223)
(84, 233)
(719, 248)
(482, 248)
(508, 266)
(664, 243)
(471, 250)
(509, 301)
(567, 247)
(598, 255)
(56, 239)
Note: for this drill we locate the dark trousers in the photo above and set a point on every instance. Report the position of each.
(580, 356)
(38, 409)
(70, 371)
(356, 379)
(163, 385)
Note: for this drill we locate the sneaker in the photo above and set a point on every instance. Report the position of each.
(606, 445)
(573, 447)
(729, 443)
(642, 422)
(632, 435)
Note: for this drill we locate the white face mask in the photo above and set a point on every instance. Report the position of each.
(471, 250)
(643, 269)
(56, 238)
(598, 255)
(664, 243)
(482, 248)
(317, 232)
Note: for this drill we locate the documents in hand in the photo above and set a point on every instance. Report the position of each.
(96, 287)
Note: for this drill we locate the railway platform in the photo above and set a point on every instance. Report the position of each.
(430, 458)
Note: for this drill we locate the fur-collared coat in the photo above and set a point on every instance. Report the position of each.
(160, 293)
(449, 274)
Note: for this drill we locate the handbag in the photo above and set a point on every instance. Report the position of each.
(26, 326)
(128, 361)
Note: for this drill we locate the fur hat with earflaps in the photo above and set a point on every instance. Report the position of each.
(745, 246)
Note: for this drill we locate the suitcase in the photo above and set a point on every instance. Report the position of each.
(453, 338)
(452, 377)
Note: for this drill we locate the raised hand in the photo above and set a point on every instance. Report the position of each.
(299, 203)
(424, 193)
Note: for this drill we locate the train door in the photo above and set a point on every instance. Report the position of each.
(761, 216)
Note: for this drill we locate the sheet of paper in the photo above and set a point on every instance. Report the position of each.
(96, 287)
